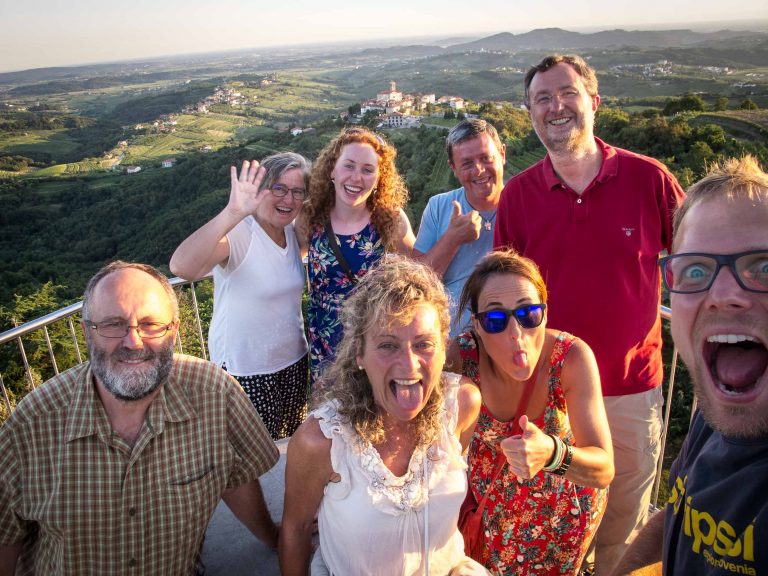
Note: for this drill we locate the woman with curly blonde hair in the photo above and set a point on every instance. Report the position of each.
(354, 215)
(380, 460)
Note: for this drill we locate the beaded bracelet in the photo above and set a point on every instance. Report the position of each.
(557, 456)
(566, 463)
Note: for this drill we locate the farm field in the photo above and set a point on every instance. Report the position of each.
(38, 141)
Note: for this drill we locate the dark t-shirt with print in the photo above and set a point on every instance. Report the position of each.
(717, 513)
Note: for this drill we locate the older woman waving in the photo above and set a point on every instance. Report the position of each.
(258, 279)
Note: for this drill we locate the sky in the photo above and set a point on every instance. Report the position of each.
(43, 33)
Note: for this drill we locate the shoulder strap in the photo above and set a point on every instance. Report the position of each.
(336, 249)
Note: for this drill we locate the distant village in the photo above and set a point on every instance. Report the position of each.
(389, 109)
(396, 109)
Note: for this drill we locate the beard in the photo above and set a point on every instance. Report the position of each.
(568, 143)
(131, 383)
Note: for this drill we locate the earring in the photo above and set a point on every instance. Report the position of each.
(359, 367)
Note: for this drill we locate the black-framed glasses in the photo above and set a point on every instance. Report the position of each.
(696, 271)
(120, 329)
(496, 320)
(281, 191)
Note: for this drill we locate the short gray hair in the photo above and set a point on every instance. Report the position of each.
(467, 130)
(278, 164)
(120, 265)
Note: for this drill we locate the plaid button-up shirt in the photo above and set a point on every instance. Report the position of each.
(85, 502)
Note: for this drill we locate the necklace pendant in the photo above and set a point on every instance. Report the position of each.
(487, 225)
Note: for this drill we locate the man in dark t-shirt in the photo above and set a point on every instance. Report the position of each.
(716, 518)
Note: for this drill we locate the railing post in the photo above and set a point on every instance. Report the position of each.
(5, 395)
(178, 342)
(197, 321)
(50, 350)
(665, 428)
(74, 340)
(27, 369)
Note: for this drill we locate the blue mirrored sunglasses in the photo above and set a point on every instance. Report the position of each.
(496, 320)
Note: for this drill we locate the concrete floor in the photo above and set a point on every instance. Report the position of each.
(229, 548)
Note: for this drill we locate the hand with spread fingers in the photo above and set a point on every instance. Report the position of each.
(245, 195)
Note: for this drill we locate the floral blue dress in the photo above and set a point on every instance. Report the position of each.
(329, 285)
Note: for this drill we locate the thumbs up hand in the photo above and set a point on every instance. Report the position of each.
(529, 452)
(464, 227)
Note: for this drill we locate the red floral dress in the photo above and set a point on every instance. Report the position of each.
(538, 526)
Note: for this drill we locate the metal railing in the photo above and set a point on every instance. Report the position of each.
(67, 313)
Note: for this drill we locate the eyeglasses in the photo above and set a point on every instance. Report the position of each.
(281, 191)
(496, 320)
(696, 272)
(120, 329)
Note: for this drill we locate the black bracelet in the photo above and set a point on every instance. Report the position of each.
(566, 461)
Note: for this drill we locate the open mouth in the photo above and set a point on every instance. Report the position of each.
(737, 364)
(352, 190)
(559, 121)
(284, 210)
(408, 393)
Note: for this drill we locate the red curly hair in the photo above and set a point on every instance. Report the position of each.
(384, 204)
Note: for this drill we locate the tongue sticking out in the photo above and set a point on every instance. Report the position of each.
(520, 359)
(408, 397)
(740, 366)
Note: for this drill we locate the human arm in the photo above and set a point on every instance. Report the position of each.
(462, 229)
(247, 504)
(208, 246)
(469, 400)
(404, 238)
(643, 556)
(307, 471)
(592, 463)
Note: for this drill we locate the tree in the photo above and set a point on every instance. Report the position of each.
(748, 105)
(354, 110)
(609, 122)
(687, 102)
(691, 102)
(449, 115)
(721, 104)
(370, 119)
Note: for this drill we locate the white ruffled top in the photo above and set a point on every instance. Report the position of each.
(371, 521)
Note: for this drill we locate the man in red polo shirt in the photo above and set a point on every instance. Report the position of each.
(594, 218)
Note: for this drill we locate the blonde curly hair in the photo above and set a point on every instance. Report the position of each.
(386, 296)
(390, 194)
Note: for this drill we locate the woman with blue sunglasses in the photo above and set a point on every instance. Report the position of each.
(541, 449)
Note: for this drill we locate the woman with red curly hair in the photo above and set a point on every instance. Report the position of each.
(354, 215)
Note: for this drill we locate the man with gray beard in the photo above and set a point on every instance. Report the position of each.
(116, 465)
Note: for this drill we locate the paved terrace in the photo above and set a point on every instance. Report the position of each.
(229, 548)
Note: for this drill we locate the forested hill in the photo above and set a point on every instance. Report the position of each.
(63, 230)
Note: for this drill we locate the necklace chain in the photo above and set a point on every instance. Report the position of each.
(487, 222)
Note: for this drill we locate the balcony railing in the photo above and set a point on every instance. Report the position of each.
(67, 314)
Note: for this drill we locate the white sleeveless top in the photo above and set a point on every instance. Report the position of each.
(257, 325)
(372, 522)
